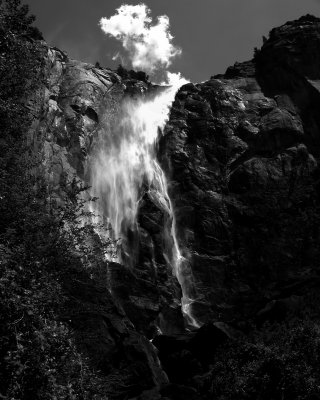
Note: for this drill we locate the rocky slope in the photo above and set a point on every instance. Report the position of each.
(241, 152)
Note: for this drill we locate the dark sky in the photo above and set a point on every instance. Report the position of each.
(213, 34)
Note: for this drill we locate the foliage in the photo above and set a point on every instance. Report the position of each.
(280, 362)
(138, 75)
(40, 359)
(20, 65)
(39, 240)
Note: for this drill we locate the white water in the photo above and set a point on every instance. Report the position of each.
(126, 159)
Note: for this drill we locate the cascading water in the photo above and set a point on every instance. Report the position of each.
(125, 160)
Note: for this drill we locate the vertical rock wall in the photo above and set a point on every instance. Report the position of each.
(242, 149)
(241, 152)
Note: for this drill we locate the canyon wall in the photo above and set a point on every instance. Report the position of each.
(240, 152)
(242, 149)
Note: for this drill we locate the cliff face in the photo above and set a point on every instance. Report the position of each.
(241, 153)
(73, 105)
(242, 150)
(81, 103)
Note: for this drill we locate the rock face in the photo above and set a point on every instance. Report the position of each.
(242, 149)
(74, 104)
(76, 97)
(241, 152)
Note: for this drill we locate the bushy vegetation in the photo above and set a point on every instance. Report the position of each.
(39, 241)
(279, 362)
(131, 74)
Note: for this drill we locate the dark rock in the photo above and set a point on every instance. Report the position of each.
(184, 356)
(180, 392)
(108, 338)
(178, 361)
(245, 69)
(209, 337)
(152, 394)
(242, 152)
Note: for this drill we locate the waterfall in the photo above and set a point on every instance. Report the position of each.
(125, 159)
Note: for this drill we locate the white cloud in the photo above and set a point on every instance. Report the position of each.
(147, 43)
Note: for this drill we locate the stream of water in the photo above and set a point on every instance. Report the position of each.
(126, 159)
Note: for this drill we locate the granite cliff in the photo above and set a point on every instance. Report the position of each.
(242, 150)
(241, 153)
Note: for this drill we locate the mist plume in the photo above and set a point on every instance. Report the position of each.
(148, 43)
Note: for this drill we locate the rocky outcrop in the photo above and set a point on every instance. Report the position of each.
(242, 151)
(77, 97)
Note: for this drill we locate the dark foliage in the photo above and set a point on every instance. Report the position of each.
(137, 75)
(279, 362)
(20, 66)
(38, 355)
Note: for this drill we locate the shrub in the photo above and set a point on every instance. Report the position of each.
(280, 362)
(39, 241)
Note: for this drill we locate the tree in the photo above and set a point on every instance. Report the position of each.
(38, 239)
